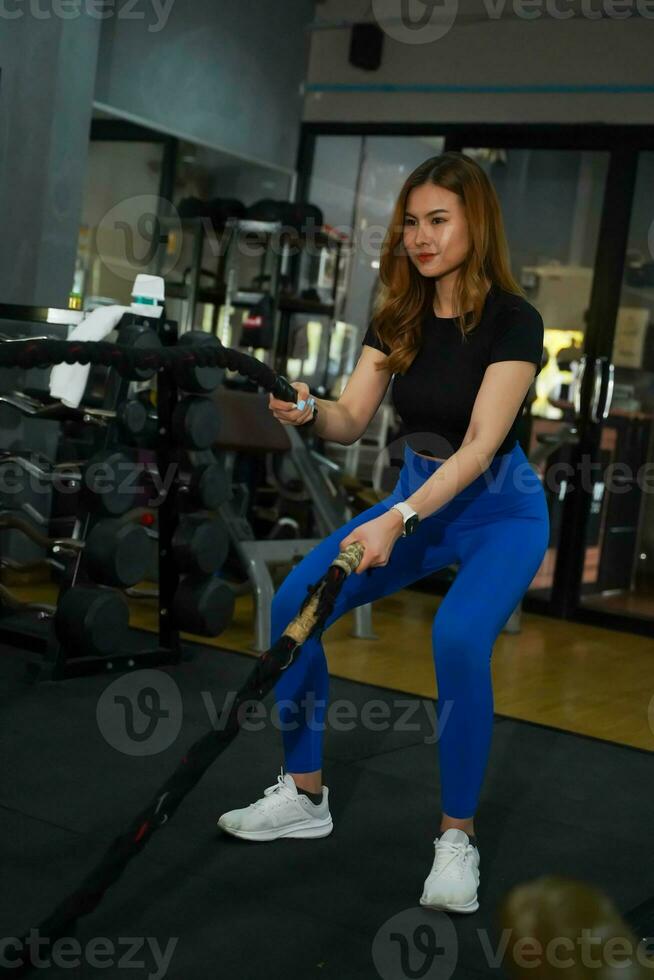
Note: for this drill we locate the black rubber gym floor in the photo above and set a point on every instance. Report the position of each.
(342, 907)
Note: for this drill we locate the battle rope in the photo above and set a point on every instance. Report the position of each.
(310, 620)
(44, 353)
(314, 612)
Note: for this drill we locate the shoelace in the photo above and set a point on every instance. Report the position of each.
(273, 795)
(451, 858)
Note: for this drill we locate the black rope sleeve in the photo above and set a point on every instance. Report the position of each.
(44, 353)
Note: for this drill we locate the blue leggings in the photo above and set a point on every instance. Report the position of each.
(497, 531)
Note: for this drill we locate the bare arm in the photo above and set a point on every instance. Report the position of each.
(347, 419)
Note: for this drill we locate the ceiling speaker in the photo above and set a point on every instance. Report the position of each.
(366, 45)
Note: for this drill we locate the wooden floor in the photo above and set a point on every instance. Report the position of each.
(579, 678)
(576, 677)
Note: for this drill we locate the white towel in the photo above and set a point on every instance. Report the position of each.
(68, 381)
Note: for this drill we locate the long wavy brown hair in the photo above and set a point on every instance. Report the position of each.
(404, 296)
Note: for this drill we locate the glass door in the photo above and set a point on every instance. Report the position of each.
(552, 201)
(622, 513)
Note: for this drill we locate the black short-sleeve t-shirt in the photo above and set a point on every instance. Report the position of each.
(435, 396)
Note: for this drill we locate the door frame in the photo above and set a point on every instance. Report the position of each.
(623, 144)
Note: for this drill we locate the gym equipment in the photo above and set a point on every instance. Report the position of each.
(39, 353)
(69, 546)
(296, 215)
(44, 610)
(194, 378)
(132, 415)
(94, 621)
(107, 482)
(117, 553)
(218, 209)
(109, 485)
(200, 545)
(258, 327)
(172, 364)
(196, 423)
(138, 425)
(246, 427)
(204, 606)
(54, 409)
(207, 486)
(136, 332)
(314, 611)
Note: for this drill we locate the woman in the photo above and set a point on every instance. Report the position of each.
(466, 494)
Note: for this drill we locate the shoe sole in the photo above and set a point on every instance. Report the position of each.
(315, 830)
(470, 907)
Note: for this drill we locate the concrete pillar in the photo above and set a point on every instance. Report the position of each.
(48, 59)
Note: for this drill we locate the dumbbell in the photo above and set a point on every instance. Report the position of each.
(117, 553)
(204, 606)
(136, 331)
(88, 622)
(42, 609)
(132, 415)
(196, 422)
(196, 378)
(206, 487)
(200, 546)
(107, 483)
(138, 424)
(92, 622)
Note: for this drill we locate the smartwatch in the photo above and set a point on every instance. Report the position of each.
(409, 516)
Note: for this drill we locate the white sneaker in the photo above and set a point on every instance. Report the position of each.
(454, 878)
(281, 812)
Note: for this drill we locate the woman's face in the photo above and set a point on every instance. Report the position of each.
(435, 231)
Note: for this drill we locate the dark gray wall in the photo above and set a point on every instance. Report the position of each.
(47, 77)
(225, 73)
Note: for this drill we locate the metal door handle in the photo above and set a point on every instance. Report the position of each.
(595, 414)
(597, 388)
(609, 391)
(578, 383)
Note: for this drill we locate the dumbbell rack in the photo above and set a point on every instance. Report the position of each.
(285, 259)
(56, 661)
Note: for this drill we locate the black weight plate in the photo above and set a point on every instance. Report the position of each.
(210, 486)
(133, 416)
(200, 546)
(199, 379)
(117, 554)
(141, 336)
(91, 622)
(196, 423)
(204, 606)
(110, 483)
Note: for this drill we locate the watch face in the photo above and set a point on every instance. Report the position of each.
(412, 524)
